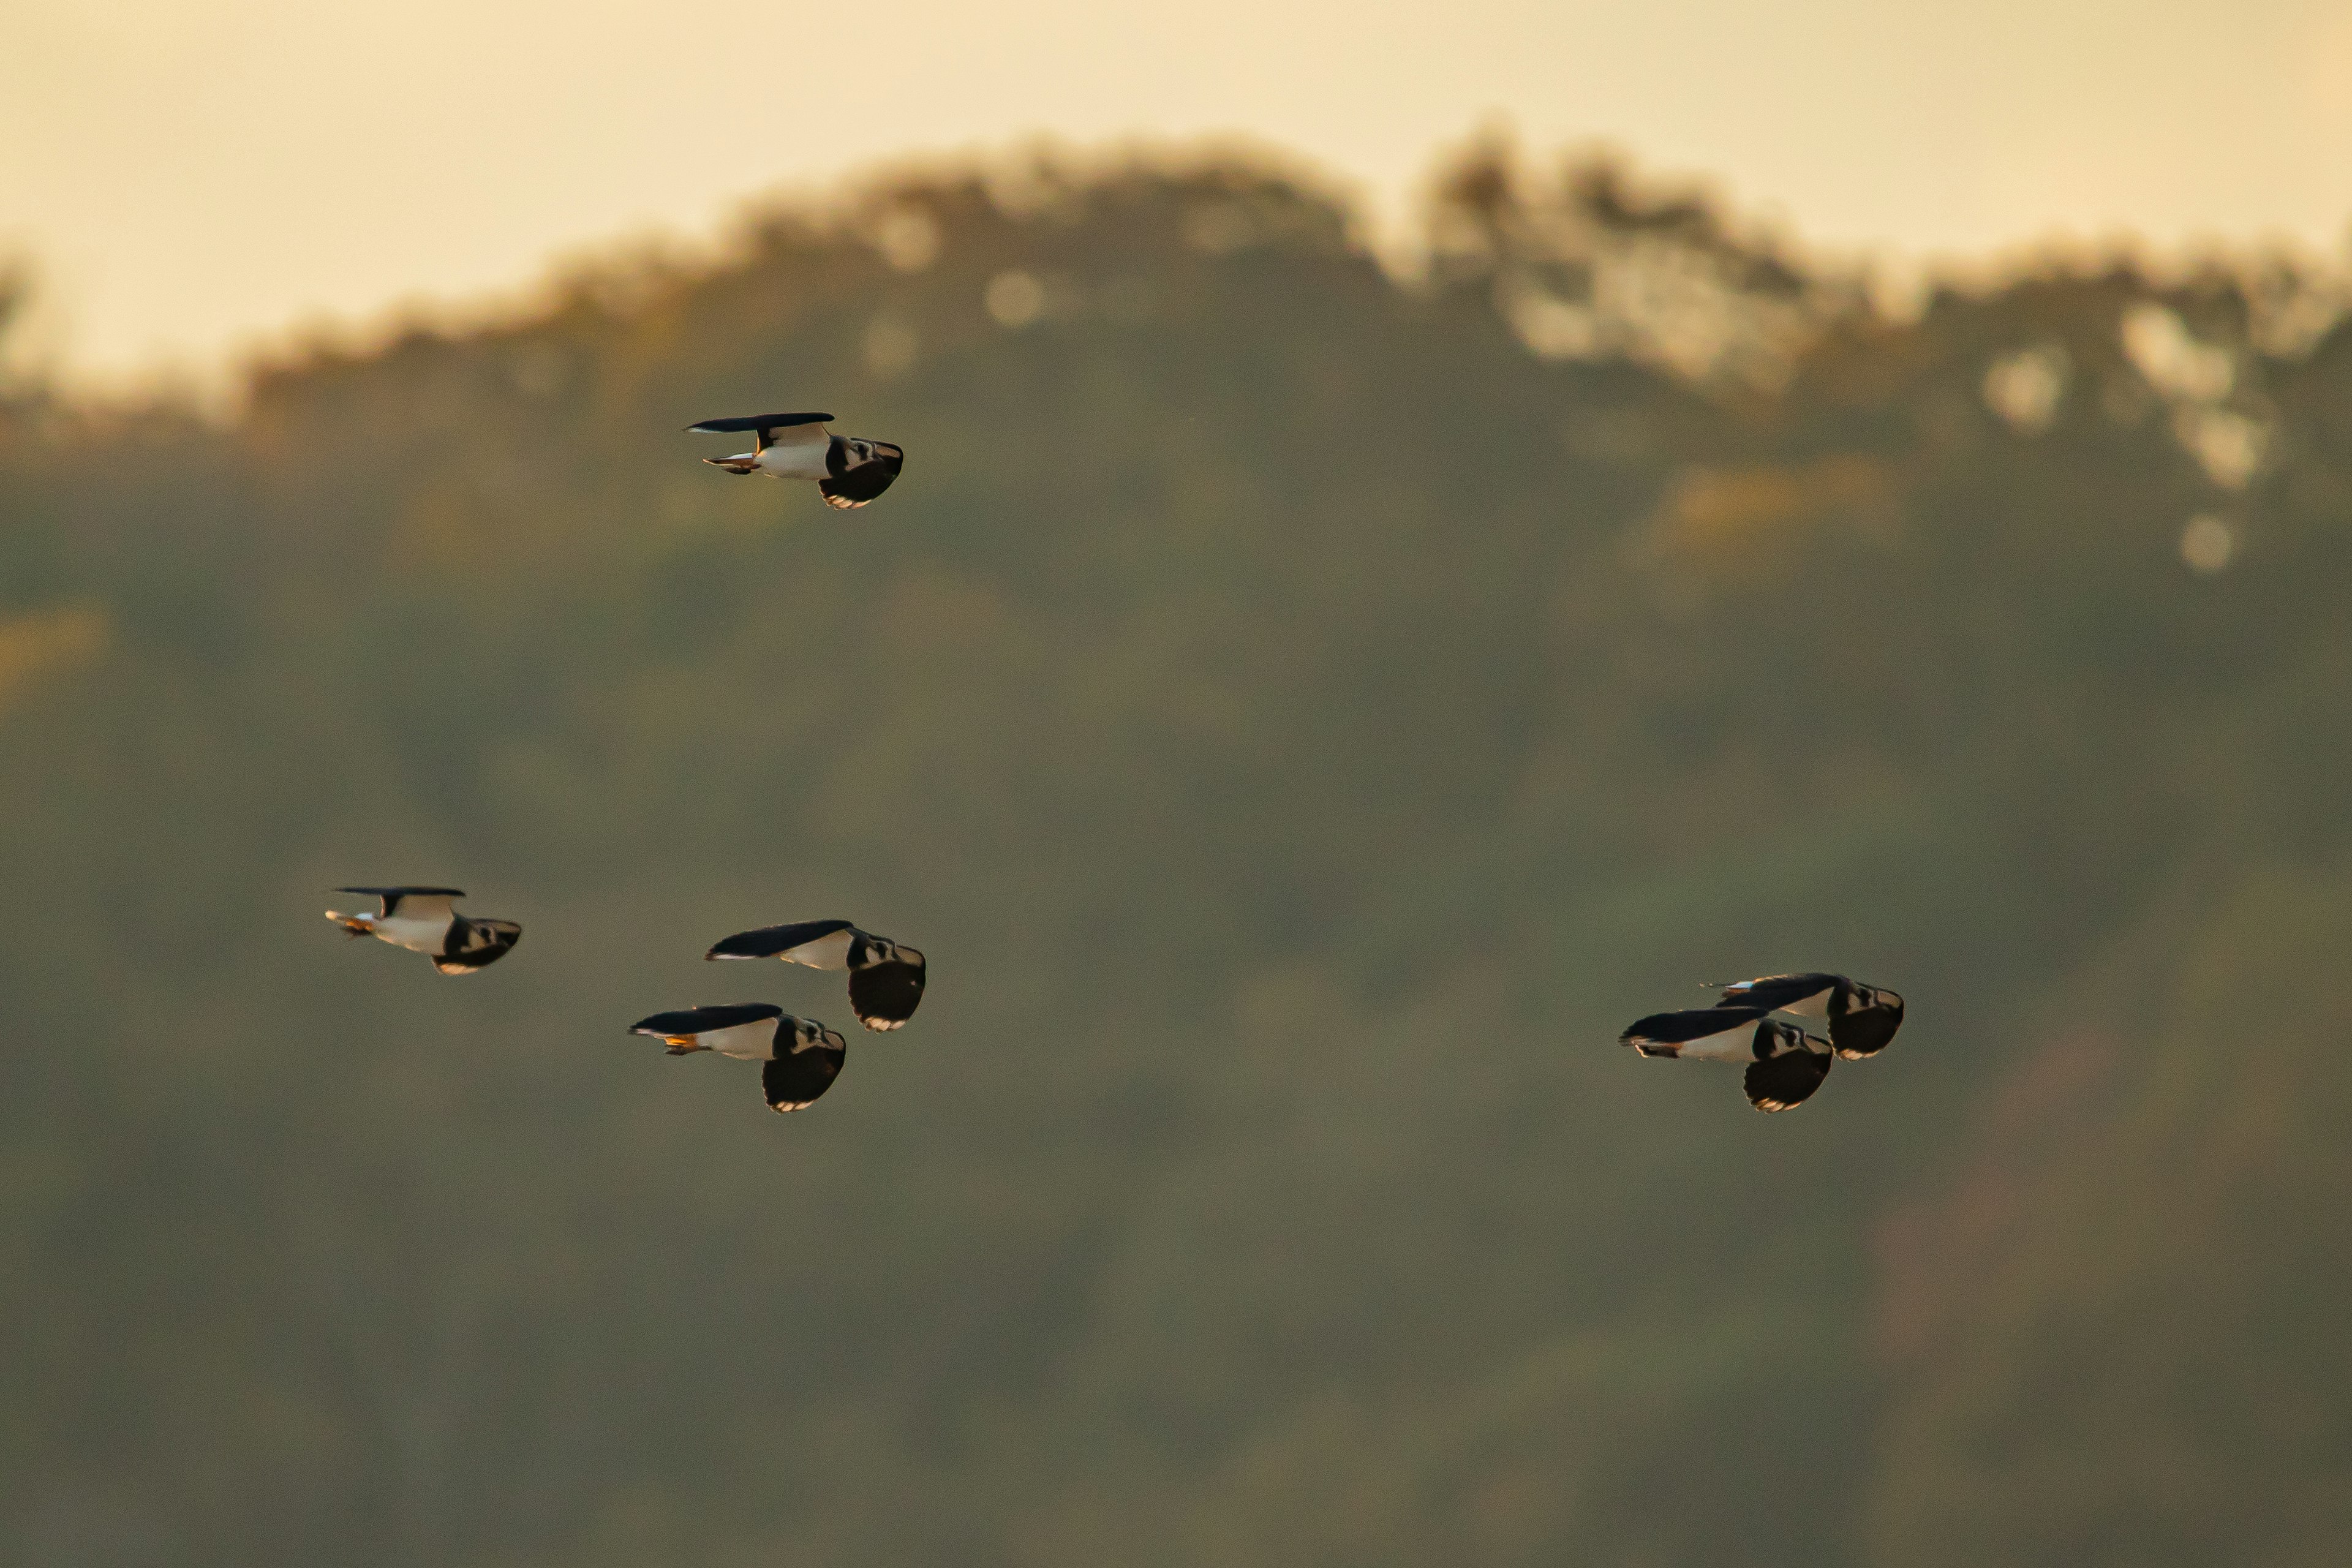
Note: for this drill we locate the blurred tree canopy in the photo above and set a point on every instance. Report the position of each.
(1303, 714)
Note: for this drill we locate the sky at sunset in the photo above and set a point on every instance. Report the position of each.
(189, 177)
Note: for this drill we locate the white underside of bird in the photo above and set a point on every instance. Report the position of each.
(828, 952)
(791, 452)
(787, 459)
(421, 926)
(1737, 1044)
(752, 1042)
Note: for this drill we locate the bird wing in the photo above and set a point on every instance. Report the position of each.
(1786, 1080)
(1869, 1023)
(410, 903)
(476, 944)
(855, 486)
(1701, 1034)
(785, 942)
(687, 1022)
(771, 429)
(793, 1079)
(884, 995)
(1807, 994)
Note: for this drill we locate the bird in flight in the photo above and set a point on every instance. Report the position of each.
(1785, 1064)
(849, 470)
(886, 980)
(423, 920)
(1862, 1018)
(801, 1056)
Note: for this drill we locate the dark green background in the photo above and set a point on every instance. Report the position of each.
(1303, 726)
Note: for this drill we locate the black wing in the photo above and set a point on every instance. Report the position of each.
(770, 941)
(762, 423)
(474, 944)
(855, 486)
(698, 1020)
(884, 995)
(1660, 1033)
(1787, 1081)
(1775, 992)
(1868, 1023)
(794, 1080)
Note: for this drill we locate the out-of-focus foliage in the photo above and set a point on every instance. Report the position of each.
(1303, 716)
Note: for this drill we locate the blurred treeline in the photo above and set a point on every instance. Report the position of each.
(1303, 714)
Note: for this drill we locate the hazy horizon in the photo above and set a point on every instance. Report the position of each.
(187, 182)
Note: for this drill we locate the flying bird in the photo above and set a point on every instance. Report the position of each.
(849, 470)
(1785, 1064)
(886, 980)
(422, 919)
(802, 1056)
(1862, 1018)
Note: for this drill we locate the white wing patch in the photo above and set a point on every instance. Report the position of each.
(796, 452)
(751, 1042)
(828, 952)
(427, 935)
(438, 907)
(799, 436)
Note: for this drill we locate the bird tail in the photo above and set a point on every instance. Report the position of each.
(739, 466)
(353, 926)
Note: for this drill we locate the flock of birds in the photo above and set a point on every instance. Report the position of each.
(801, 1056)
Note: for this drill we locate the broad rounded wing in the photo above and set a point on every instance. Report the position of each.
(1868, 1023)
(794, 1080)
(1787, 1081)
(854, 487)
(1700, 1034)
(820, 944)
(476, 944)
(884, 995)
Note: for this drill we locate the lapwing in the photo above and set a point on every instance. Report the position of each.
(886, 980)
(801, 1055)
(1785, 1064)
(1862, 1018)
(849, 470)
(423, 920)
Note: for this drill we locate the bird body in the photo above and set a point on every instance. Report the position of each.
(801, 1056)
(886, 979)
(425, 921)
(849, 470)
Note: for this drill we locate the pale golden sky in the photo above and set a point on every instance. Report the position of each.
(190, 174)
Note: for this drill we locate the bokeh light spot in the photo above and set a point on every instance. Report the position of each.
(2208, 543)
